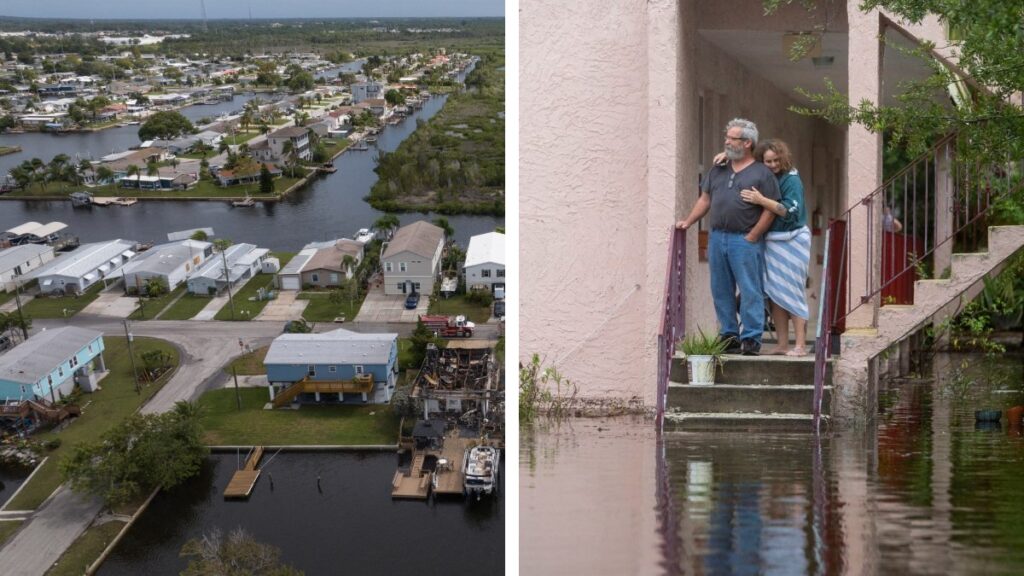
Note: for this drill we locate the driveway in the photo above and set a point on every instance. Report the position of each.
(112, 305)
(283, 308)
(379, 307)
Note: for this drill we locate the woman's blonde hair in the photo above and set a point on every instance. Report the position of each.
(779, 148)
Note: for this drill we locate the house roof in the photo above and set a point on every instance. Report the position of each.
(330, 258)
(36, 229)
(298, 262)
(288, 132)
(166, 258)
(486, 248)
(15, 256)
(335, 347)
(238, 259)
(41, 354)
(421, 238)
(84, 259)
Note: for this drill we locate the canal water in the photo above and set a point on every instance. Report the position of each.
(349, 525)
(330, 207)
(926, 490)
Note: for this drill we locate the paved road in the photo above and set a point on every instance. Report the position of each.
(50, 531)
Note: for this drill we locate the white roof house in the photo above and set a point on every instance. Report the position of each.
(172, 262)
(335, 347)
(84, 266)
(19, 260)
(290, 277)
(34, 232)
(243, 261)
(485, 260)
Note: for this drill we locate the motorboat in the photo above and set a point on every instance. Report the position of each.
(247, 202)
(81, 199)
(480, 470)
(365, 236)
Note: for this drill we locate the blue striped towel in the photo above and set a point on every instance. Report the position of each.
(787, 256)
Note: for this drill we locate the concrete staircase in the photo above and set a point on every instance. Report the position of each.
(750, 393)
(935, 300)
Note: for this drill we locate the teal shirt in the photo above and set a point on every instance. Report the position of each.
(793, 199)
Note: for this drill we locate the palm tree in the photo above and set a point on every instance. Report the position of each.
(348, 263)
(387, 224)
(86, 166)
(104, 174)
(133, 170)
(442, 223)
(152, 169)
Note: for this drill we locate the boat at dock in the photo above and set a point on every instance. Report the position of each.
(370, 139)
(480, 470)
(81, 199)
(246, 202)
(365, 236)
(109, 201)
(328, 168)
(361, 146)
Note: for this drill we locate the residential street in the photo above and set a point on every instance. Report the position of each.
(57, 523)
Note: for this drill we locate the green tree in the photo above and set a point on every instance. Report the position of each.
(394, 97)
(266, 180)
(300, 81)
(199, 235)
(156, 287)
(387, 224)
(166, 124)
(144, 452)
(237, 555)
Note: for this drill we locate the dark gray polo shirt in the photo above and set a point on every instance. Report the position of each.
(729, 212)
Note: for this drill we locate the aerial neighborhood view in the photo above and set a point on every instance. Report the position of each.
(252, 283)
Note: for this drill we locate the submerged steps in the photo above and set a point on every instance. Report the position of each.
(750, 393)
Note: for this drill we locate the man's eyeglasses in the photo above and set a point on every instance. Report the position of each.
(740, 138)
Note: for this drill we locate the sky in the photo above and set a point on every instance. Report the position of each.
(155, 9)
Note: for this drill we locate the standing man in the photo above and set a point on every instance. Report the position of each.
(736, 249)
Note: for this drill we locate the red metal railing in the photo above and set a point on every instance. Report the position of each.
(905, 208)
(673, 320)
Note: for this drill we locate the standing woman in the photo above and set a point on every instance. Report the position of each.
(787, 247)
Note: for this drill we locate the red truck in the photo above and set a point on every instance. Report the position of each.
(449, 327)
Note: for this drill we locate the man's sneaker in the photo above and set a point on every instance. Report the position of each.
(750, 347)
(732, 344)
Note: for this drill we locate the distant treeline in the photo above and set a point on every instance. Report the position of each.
(455, 163)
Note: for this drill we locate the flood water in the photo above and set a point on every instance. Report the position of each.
(348, 526)
(330, 207)
(924, 491)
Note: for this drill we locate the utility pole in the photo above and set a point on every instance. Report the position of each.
(131, 354)
(21, 315)
(138, 290)
(227, 278)
(238, 396)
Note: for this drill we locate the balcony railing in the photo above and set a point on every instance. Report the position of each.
(673, 321)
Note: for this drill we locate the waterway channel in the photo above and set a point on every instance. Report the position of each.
(925, 490)
(350, 525)
(330, 207)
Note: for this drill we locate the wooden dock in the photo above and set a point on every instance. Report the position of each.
(446, 480)
(244, 480)
(107, 201)
(412, 485)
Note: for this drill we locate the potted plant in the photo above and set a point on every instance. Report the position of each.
(703, 355)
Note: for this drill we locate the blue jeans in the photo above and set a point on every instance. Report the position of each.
(734, 262)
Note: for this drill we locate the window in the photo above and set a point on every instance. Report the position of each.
(334, 278)
(74, 361)
(500, 272)
(332, 369)
(416, 286)
(316, 277)
(90, 347)
(387, 267)
(49, 380)
(486, 273)
(402, 266)
(60, 371)
(358, 369)
(311, 370)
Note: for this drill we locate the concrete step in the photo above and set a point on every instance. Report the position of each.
(756, 370)
(728, 398)
(742, 421)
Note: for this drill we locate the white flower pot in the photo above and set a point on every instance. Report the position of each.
(702, 370)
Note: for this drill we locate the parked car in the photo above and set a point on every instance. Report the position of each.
(412, 301)
(6, 342)
(499, 309)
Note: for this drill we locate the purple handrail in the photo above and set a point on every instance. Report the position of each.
(673, 320)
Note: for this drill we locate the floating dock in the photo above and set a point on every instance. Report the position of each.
(107, 201)
(244, 480)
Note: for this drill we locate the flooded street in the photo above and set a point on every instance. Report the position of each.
(926, 490)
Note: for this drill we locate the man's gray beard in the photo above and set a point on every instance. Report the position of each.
(733, 153)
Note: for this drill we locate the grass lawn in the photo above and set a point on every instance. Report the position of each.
(100, 411)
(46, 307)
(224, 424)
(334, 145)
(6, 296)
(250, 364)
(86, 549)
(153, 306)
(186, 307)
(203, 189)
(458, 304)
(321, 309)
(240, 137)
(7, 529)
(244, 308)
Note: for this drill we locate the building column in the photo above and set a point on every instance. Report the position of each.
(863, 165)
(364, 396)
(271, 389)
(316, 395)
(101, 364)
(341, 396)
(943, 255)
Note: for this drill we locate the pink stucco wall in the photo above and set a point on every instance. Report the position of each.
(608, 141)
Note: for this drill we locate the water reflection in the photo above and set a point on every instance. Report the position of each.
(922, 492)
